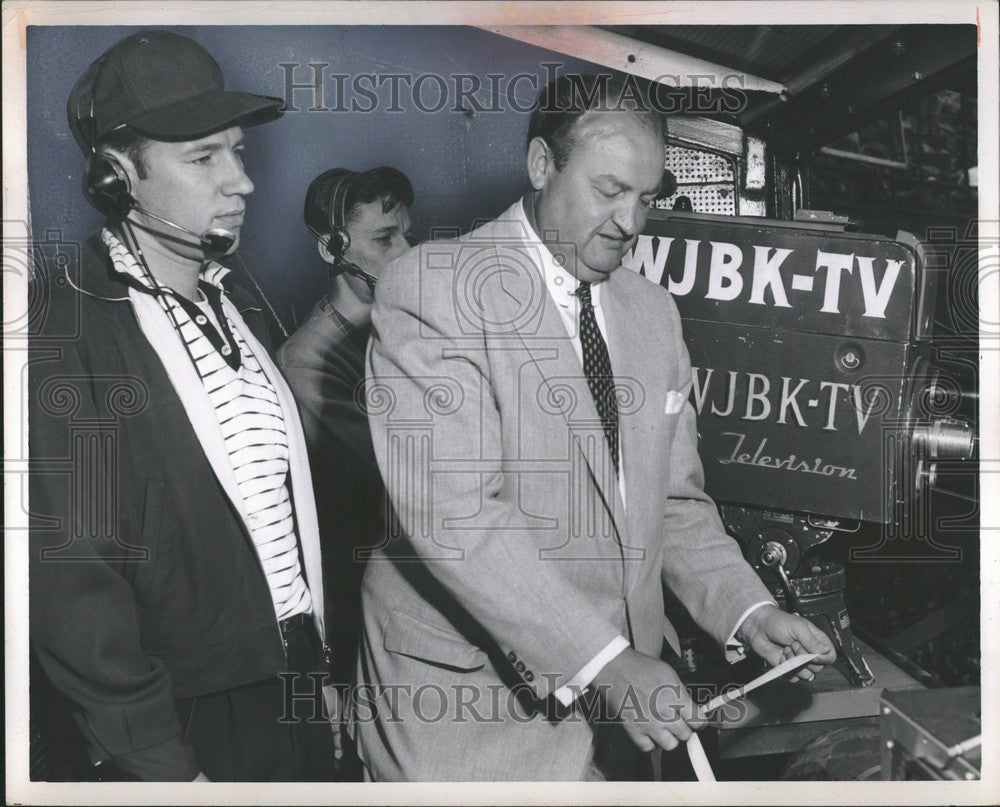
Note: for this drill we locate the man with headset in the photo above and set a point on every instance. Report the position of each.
(361, 221)
(177, 616)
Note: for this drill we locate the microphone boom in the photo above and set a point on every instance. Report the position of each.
(216, 242)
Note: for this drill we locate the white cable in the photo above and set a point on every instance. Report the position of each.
(696, 753)
(794, 663)
(699, 761)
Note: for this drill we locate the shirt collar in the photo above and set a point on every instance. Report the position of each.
(338, 319)
(124, 262)
(561, 284)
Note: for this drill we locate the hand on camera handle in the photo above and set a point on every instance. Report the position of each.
(776, 636)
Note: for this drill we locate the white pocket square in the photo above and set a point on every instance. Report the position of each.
(675, 402)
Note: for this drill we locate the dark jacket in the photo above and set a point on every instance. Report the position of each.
(324, 364)
(145, 585)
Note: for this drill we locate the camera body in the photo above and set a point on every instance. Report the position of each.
(820, 402)
(813, 373)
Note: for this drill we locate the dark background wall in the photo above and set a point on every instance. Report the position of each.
(919, 178)
(465, 165)
(925, 610)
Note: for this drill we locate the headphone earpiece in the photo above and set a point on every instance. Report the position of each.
(105, 182)
(106, 185)
(340, 239)
(333, 245)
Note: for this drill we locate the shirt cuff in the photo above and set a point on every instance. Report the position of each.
(572, 689)
(735, 651)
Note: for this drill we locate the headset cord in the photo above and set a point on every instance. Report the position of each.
(263, 296)
(158, 290)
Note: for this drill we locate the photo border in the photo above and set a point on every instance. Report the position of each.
(16, 18)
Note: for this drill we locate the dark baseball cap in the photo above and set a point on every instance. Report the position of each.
(165, 86)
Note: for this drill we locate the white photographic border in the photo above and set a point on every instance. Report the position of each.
(16, 16)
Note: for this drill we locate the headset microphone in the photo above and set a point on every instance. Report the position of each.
(216, 242)
(357, 271)
(107, 187)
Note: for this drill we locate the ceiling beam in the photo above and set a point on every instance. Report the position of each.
(631, 56)
(915, 61)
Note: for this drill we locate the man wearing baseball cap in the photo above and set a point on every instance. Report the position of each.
(181, 614)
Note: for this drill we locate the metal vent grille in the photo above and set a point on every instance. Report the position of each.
(706, 178)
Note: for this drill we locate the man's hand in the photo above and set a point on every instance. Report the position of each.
(647, 696)
(775, 636)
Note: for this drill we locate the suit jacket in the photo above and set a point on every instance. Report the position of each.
(515, 561)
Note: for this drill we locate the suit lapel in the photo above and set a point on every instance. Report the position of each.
(533, 316)
(641, 394)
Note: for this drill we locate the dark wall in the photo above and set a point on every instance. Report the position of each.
(465, 165)
(933, 140)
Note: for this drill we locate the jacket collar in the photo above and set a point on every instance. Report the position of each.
(94, 275)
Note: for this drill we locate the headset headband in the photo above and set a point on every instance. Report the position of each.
(338, 202)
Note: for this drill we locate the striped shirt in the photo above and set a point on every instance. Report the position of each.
(250, 418)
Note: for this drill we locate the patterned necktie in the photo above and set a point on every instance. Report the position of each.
(597, 368)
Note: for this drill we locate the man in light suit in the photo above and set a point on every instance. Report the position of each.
(529, 412)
